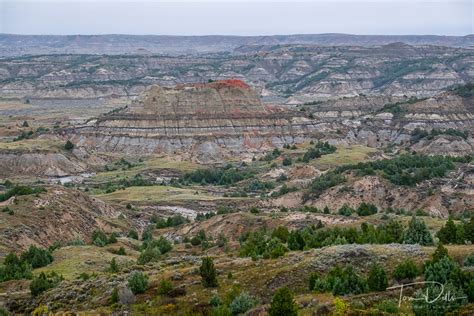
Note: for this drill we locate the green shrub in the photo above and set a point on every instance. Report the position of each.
(69, 145)
(406, 270)
(283, 303)
(287, 161)
(138, 282)
(14, 269)
(164, 287)
(387, 306)
(44, 282)
(366, 209)
(208, 272)
(19, 190)
(345, 210)
(114, 297)
(133, 234)
(417, 233)
(36, 257)
(241, 304)
(113, 266)
(254, 210)
(282, 233)
(99, 238)
(469, 260)
(377, 279)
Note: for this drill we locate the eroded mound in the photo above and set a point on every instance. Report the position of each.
(223, 96)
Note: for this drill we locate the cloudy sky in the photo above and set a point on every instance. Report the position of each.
(233, 17)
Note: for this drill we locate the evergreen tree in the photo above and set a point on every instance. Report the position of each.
(113, 266)
(377, 279)
(407, 270)
(69, 145)
(447, 234)
(283, 304)
(208, 272)
(114, 297)
(417, 233)
(138, 282)
(439, 253)
(296, 240)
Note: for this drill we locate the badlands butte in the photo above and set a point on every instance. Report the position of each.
(206, 175)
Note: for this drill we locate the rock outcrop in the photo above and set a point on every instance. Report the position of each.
(213, 121)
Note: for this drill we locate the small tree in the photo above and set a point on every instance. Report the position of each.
(208, 272)
(69, 145)
(439, 253)
(448, 233)
(417, 233)
(114, 297)
(287, 161)
(113, 266)
(164, 287)
(407, 270)
(283, 303)
(138, 282)
(377, 279)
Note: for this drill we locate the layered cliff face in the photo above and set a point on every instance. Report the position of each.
(284, 73)
(223, 119)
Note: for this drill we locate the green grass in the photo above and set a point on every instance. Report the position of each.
(344, 155)
(154, 163)
(71, 261)
(157, 194)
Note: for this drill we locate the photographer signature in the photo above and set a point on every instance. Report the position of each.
(426, 295)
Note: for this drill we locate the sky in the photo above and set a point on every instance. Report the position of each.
(233, 17)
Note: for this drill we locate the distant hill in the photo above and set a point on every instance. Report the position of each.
(17, 45)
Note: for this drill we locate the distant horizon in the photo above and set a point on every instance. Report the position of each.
(237, 17)
(234, 35)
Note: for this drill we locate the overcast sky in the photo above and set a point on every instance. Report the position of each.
(251, 17)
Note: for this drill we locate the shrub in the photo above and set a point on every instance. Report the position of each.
(133, 234)
(417, 233)
(283, 303)
(313, 278)
(377, 279)
(406, 270)
(439, 253)
(282, 233)
(469, 260)
(221, 310)
(348, 282)
(20, 190)
(241, 304)
(121, 251)
(296, 240)
(69, 145)
(345, 210)
(114, 297)
(138, 282)
(164, 287)
(287, 161)
(14, 269)
(208, 272)
(254, 210)
(153, 249)
(36, 257)
(340, 306)
(113, 266)
(99, 238)
(366, 209)
(44, 282)
(387, 306)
